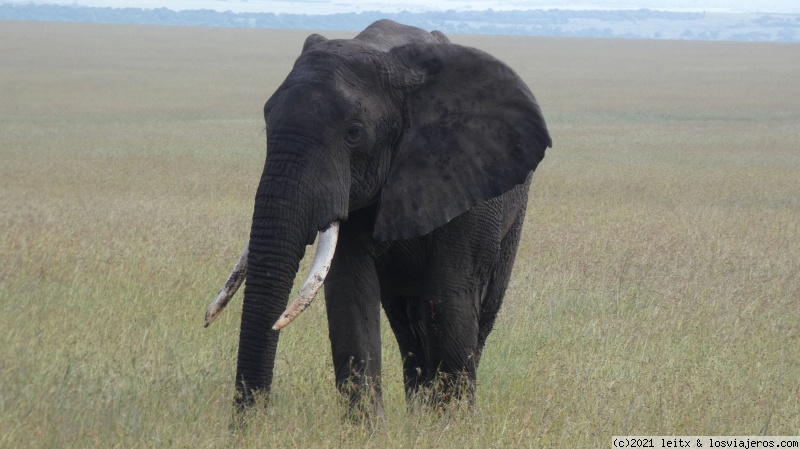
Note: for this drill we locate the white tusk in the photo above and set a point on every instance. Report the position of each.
(319, 269)
(229, 289)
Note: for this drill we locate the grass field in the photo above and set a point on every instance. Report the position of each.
(657, 288)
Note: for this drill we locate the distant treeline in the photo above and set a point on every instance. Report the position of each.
(642, 23)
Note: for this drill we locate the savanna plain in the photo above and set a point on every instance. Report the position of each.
(656, 291)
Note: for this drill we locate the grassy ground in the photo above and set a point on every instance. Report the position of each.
(656, 289)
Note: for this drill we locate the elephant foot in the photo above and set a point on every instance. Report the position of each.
(362, 400)
(448, 392)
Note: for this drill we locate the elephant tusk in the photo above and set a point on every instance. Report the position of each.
(229, 289)
(319, 269)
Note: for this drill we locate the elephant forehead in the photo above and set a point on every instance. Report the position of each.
(307, 101)
(324, 93)
(342, 48)
(347, 61)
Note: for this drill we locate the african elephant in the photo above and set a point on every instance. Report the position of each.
(411, 157)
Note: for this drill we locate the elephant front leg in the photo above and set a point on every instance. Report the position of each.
(352, 298)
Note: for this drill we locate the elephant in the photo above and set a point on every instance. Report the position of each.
(411, 158)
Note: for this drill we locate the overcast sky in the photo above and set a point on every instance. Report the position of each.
(336, 6)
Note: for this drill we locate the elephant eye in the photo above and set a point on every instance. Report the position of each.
(354, 133)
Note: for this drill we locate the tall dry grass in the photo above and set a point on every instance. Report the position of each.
(656, 289)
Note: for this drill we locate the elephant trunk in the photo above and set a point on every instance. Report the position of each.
(273, 260)
(280, 231)
(291, 206)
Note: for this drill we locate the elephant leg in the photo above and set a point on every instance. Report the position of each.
(464, 255)
(403, 316)
(352, 299)
(498, 283)
(451, 323)
(449, 310)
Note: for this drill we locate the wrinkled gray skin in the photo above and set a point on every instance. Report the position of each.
(423, 150)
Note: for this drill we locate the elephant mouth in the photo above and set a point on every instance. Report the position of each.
(326, 247)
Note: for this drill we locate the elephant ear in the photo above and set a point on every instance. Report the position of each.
(311, 40)
(472, 131)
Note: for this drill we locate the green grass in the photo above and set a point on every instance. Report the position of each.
(656, 289)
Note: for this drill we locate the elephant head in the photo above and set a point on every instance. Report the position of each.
(396, 119)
